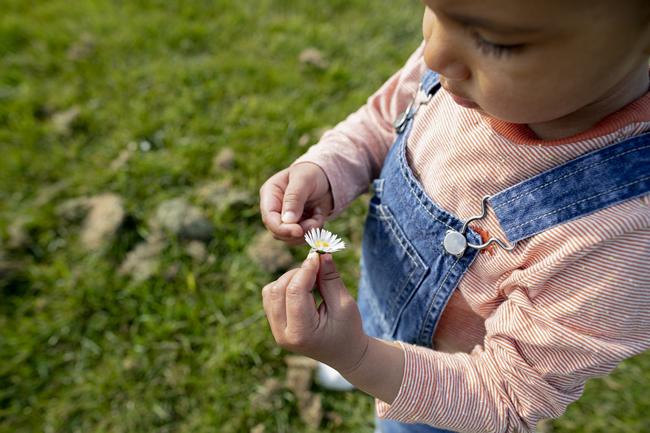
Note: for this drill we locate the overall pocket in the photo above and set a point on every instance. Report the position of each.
(392, 270)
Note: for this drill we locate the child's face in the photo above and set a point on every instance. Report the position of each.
(540, 62)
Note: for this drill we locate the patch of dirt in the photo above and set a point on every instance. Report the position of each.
(122, 159)
(268, 253)
(197, 251)
(222, 195)
(300, 375)
(143, 261)
(334, 418)
(49, 192)
(259, 428)
(224, 160)
(81, 49)
(304, 140)
(181, 219)
(313, 57)
(105, 217)
(73, 210)
(63, 121)
(19, 237)
(265, 393)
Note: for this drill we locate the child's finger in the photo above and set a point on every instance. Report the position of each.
(271, 193)
(293, 201)
(301, 307)
(273, 300)
(316, 220)
(330, 285)
(271, 196)
(311, 223)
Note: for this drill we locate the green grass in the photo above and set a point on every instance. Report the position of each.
(84, 349)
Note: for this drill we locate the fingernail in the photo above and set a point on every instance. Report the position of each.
(289, 217)
(310, 256)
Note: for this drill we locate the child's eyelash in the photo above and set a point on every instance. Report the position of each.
(497, 50)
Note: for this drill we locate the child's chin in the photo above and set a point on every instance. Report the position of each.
(467, 103)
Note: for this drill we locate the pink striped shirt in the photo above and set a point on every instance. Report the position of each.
(524, 330)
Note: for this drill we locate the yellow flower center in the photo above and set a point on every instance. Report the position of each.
(322, 244)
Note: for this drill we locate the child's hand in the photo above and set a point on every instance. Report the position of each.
(295, 200)
(331, 333)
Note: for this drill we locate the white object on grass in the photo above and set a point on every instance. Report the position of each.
(329, 378)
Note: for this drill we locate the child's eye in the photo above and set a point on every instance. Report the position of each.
(497, 50)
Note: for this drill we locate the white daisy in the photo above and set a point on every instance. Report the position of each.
(322, 241)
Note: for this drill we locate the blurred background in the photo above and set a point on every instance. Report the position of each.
(134, 136)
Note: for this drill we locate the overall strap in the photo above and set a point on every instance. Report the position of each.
(591, 182)
(430, 82)
(429, 85)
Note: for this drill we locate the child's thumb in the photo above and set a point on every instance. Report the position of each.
(330, 285)
(293, 202)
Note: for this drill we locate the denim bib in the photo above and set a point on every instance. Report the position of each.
(414, 253)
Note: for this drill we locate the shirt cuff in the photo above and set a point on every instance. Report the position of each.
(409, 397)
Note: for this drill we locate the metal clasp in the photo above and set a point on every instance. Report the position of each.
(455, 243)
(411, 110)
(400, 122)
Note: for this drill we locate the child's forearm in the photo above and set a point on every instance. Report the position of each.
(380, 371)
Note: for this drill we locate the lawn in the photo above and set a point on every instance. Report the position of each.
(182, 108)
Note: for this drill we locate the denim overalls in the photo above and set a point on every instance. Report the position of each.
(414, 253)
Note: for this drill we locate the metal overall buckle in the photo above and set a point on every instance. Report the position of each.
(411, 110)
(455, 243)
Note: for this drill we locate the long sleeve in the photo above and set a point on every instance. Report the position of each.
(352, 153)
(572, 316)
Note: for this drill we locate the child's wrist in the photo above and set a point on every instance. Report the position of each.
(359, 360)
(380, 370)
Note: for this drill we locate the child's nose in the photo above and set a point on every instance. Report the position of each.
(441, 55)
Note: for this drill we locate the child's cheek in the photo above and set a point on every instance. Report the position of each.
(427, 23)
(499, 97)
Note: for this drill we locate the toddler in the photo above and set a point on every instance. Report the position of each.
(505, 253)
